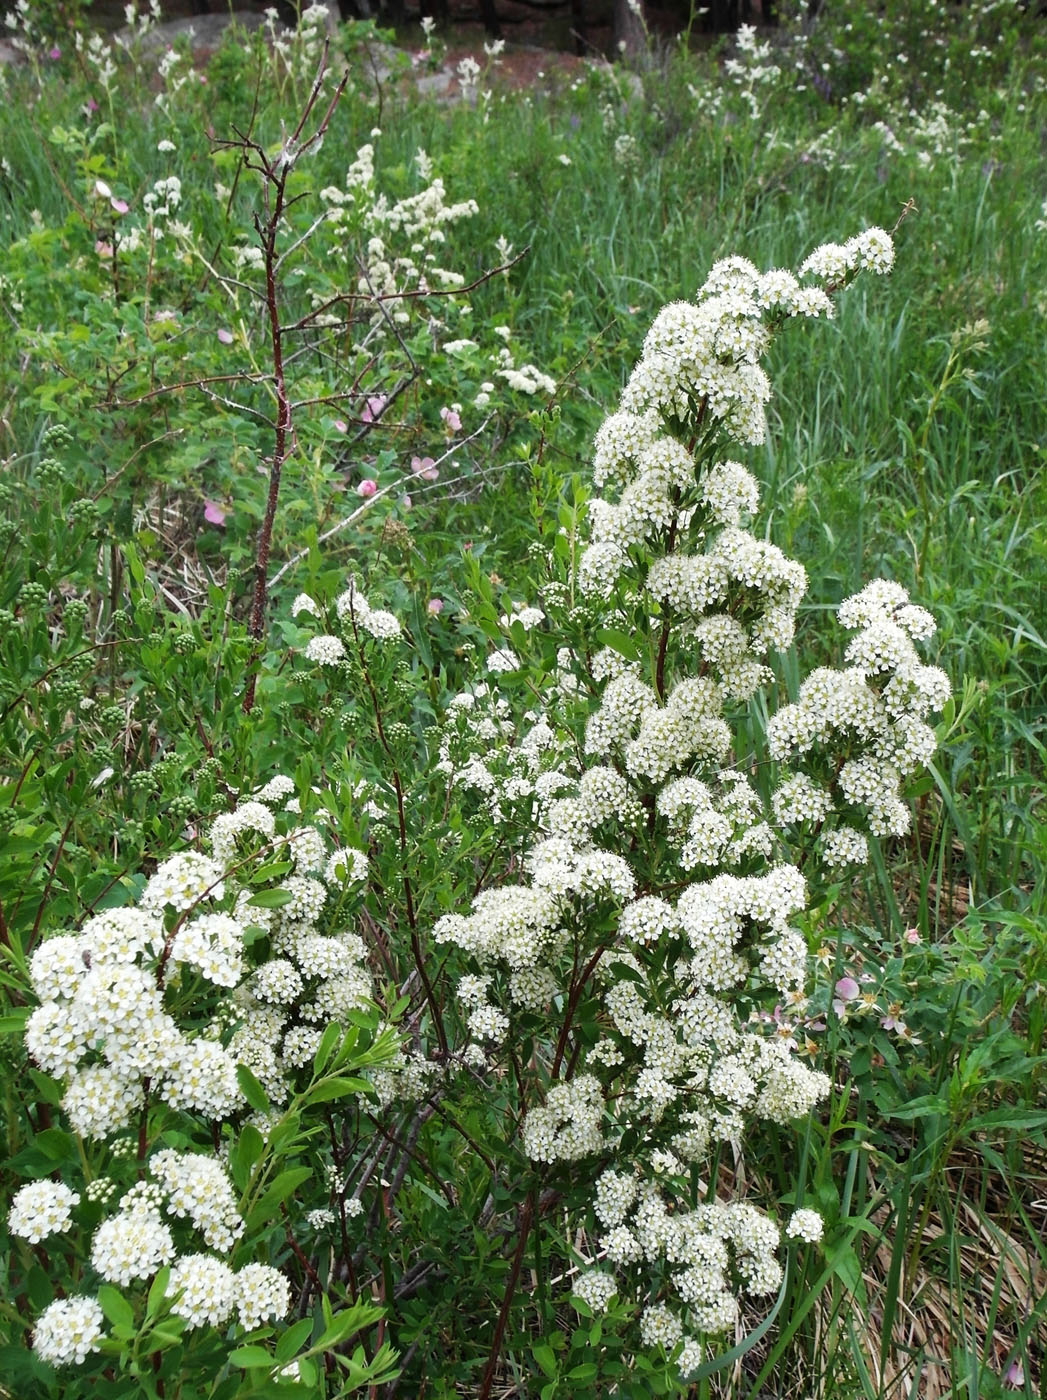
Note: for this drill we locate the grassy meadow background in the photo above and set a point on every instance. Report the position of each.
(907, 440)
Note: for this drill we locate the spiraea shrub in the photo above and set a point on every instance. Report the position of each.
(302, 1035)
(621, 1003)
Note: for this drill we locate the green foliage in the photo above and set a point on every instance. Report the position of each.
(136, 428)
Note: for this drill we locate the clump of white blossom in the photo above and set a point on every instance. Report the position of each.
(677, 949)
(406, 249)
(159, 1003)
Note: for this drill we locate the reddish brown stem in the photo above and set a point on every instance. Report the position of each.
(526, 1212)
(572, 1007)
(275, 176)
(401, 817)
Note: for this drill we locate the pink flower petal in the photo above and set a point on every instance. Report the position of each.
(367, 487)
(373, 408)
(120, 205)
(1015, 1376)
(341, 425)
(213, 513)
(847, 988)
(436, 606)
(452, 418)
(226, 337)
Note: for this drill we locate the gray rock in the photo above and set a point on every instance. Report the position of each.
(202, 31)
(434, 84)
(205, 31)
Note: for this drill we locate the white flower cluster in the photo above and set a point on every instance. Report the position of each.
(40, 1209)
(658, 882)
(205, 1290)
(513, 771)
(198, 1189)
(355, 617)
(863, 728)
(107, 994)
(417, 224)
(709, 1257)
(567, 1126)
(806, 1225)
(135, 1242)
(68, 1330)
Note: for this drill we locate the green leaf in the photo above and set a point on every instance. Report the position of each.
(252, 1090)
(293, 1340)
(546, 1358)
(164, 1337)
(620, 642)
(328, 1041)
(246, 1153)
(157, 1292)
(275, 870)
(271, 899)
(250, 1356)
(338, 1088)
(57, 1145)
(115, 1306)
(345, 1323)
(134, 563)
(283, 1187)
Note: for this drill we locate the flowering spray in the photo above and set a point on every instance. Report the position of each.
(668, 875)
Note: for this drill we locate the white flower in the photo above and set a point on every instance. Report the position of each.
(198, 1188)
(131, 1245)
(250, 816)
(659, 1327)
(304, 604)
(99, 1101)
(262, 1293)
(276, 789)
(40, 1209)
(182, 881)
(805, 1225)
(567, 1126)
(203, 1290)
(596, 1288)
(67, 1330)
(346, 866)
(325, 650)
(213, 944)
(203, 1077)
